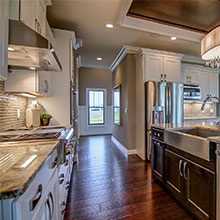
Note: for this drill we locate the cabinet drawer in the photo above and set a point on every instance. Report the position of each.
(30, 200)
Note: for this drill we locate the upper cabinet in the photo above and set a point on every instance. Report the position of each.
(31, 82)
(160, 65)
(207, 78)
(4, 7)
(32, 13)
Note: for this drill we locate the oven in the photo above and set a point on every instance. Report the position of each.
(192, 92)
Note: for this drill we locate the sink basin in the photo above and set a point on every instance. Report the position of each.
(200, 132)
(192, 140)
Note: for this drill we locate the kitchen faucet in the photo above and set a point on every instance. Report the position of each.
(208, 98)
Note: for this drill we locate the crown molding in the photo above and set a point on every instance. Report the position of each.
(142, 51)
(122, 53)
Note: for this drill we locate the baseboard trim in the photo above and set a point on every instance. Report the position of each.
(133, 151)
(122, 148)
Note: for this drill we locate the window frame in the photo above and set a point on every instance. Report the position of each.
(88, 107)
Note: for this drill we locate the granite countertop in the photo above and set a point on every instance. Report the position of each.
(14, 179)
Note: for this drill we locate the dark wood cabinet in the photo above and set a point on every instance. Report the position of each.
(199, 190)
(188, 178)
(190, 183)
(173, 173)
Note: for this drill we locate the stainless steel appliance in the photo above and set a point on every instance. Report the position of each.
(192, 92)
(163, 104)
(30, 49)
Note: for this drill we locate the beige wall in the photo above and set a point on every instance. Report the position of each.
(124, 74)
(94, 78)
(8, 111)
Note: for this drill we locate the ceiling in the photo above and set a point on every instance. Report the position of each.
(88, 18)
(197, 15)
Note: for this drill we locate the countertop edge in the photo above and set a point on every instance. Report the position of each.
(18, 192)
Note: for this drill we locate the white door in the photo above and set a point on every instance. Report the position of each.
(214, 84)
(4, 8)
(204, 84)
(153, 67)
(172, 69)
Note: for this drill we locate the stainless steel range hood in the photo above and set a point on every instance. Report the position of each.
(30, 50)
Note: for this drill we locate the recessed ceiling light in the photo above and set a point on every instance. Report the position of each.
(99, 58)
(109, 25)
(11, 49)
(32, 68)
(173, 38)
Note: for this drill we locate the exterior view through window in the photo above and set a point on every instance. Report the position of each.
(96, 107)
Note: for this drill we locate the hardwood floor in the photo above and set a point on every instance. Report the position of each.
(106, 185)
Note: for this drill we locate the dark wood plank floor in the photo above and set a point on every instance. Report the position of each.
(106, 185)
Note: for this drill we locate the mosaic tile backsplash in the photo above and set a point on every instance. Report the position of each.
(194, 110)
(8, 111)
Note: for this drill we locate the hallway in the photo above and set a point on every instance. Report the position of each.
(106, 185)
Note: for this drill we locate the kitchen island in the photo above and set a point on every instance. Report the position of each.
(184, 163)
(35, 169)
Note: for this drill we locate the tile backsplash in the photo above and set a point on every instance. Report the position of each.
(8, 111)
(194, 110)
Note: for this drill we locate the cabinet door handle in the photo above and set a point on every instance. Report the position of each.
(52, 205)
(33, 203)
(49, 208)
(184, 170)
(61, 178)
(180, 168)
(67, 185)
(54, 163)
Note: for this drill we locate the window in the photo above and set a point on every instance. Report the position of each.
(96, 107)
(117, 105)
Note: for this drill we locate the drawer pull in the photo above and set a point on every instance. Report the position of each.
(184, 170)
(66, 163)
(180, 167)
(54, 163)
(62, 208)
(33, 203)
(67, 185)
(61, 179)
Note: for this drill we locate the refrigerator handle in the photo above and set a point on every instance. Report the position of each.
(166, 105)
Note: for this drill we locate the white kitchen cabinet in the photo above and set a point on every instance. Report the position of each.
(172, 69)
(28, 81)
(190, 76)
(204, 84)
(154, 67)
(30, 12)
(214, 84)
(4, 7)
(207, 78)
(161, 67)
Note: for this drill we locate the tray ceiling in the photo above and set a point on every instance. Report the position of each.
(197, 15)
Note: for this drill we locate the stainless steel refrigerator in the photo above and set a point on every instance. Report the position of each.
(163, 104)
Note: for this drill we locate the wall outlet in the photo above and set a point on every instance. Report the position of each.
(126, 110)
(211, 110)
(18, 113)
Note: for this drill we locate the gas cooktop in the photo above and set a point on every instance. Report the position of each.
(29, 134)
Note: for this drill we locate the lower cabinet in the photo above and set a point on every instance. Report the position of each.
(199, 186)
(173, 173)
(190, 183)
